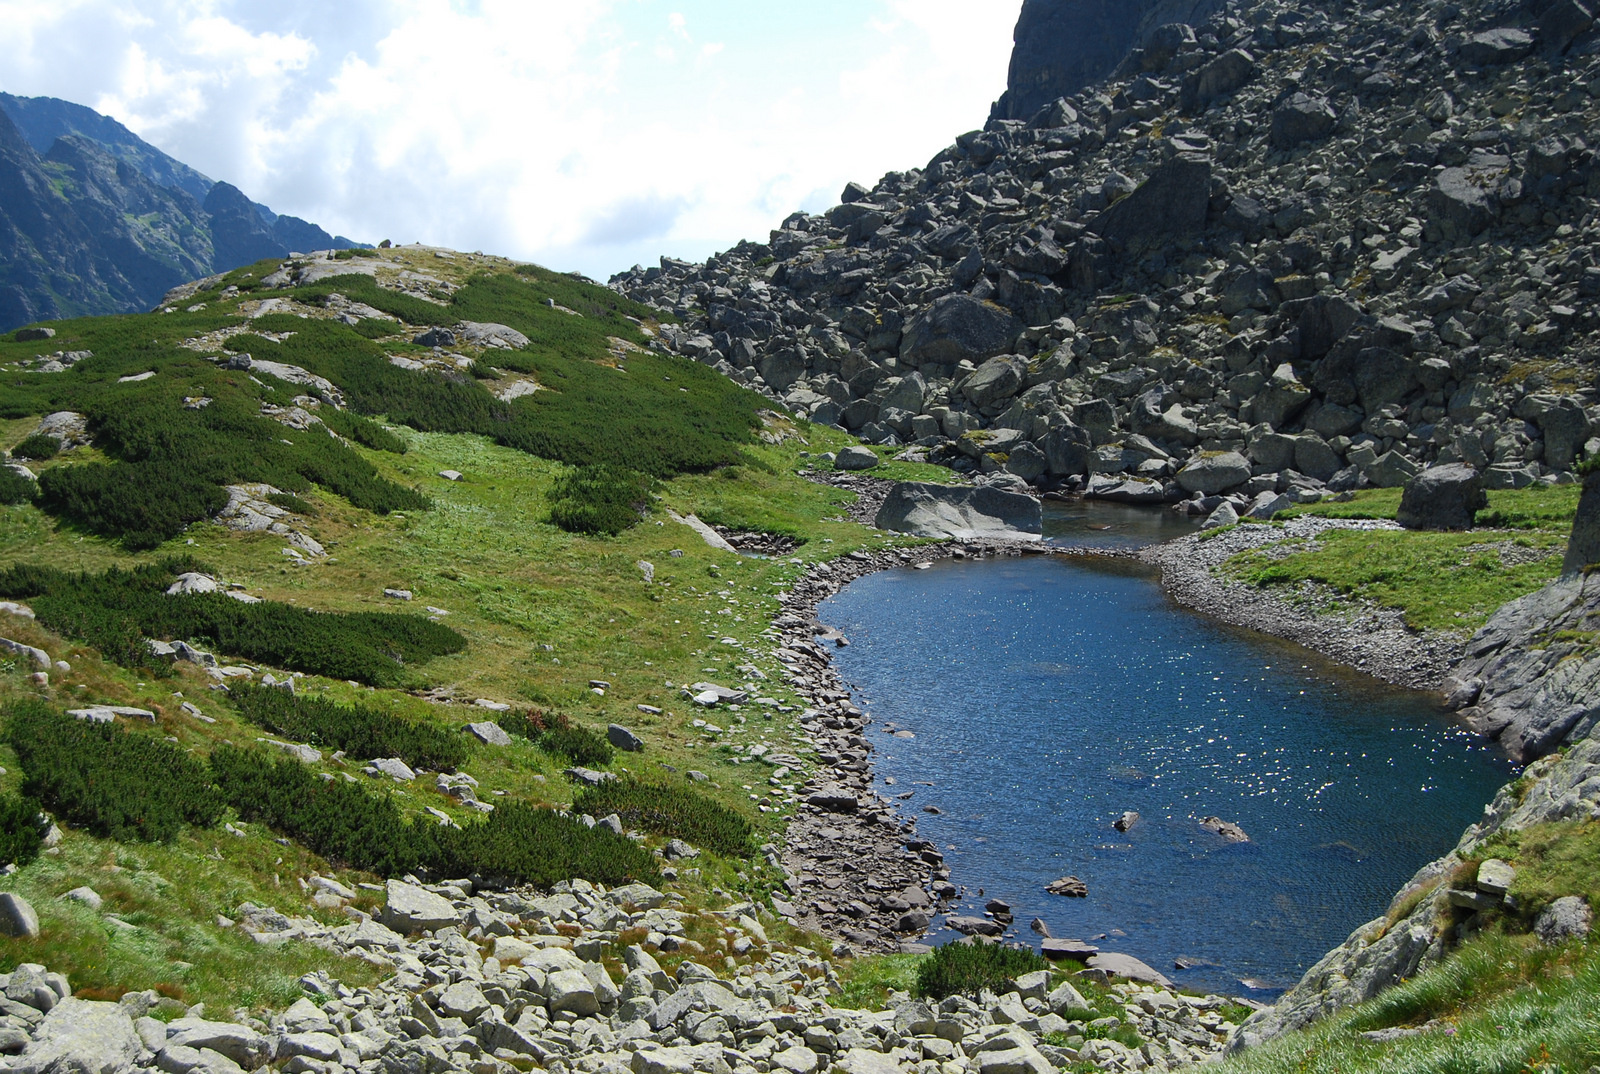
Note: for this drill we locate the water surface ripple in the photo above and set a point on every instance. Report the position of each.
(1047, 696)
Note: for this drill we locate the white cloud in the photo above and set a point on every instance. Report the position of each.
(584, 135)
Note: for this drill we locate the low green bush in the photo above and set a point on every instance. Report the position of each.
(359, 730)
(15, 489)
(363, 431)
(554, 733)
(347, 823)
(114, 783)
(20, 836)
(968, 969)
(116, 610)
(599, 500)
(677, 812)
(38, 447)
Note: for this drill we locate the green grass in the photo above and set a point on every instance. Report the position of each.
(1508, 1006)
(1547, 508)
(1439, 581)
(865, 983)
(970, 969)
(542, 612)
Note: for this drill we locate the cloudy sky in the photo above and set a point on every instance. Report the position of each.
(585, 134)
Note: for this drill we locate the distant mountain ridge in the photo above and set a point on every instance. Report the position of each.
(95, 220)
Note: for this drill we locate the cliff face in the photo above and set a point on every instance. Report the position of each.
(1064, 45)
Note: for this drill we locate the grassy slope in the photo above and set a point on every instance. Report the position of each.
(1441, 581)
(544, 612)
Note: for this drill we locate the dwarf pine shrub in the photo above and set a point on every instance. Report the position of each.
(554, 733)
(359, 730)
(599, 500)
(14, 488)
(39, 446)
(677, 812)
(350, 824)
(969, 969)
(116, 784)
(20, 830)
(114, 611)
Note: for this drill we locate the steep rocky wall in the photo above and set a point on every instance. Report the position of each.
(1064, 45)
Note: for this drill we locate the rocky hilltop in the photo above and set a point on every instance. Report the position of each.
(1292, 248)
(95, 220)
(1064, 45)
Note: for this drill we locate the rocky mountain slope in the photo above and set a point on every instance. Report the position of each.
(1292, 248)
(95, 220)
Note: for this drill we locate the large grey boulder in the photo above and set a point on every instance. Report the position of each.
(1222, 76)
(855, 457)
(1170, 205)
(996, 380)
(1565, 919)
(1465, 199)
(1503, 45)
(624, 739)
(1116, 489)
(956, 329)
(413, 909)
(82, 1037)
(1068, 450)
(1442, 498)
(239, 1043)
(1211, 474)
(17, 917)
(1302, 118)
(960, 512)
(1583, 547)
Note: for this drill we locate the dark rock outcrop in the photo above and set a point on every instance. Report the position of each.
(1064, 45)
(1442, 498)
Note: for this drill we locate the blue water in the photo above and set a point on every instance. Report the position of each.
(1047, 696)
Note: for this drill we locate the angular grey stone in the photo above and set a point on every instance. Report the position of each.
(82, 1037)
(1170, 205)
(996, 380)
(17, 916)
(239, 1043)
(411, 909)
(1222, 76)
(1442, 498)
(1563, 23)
(855, 458)
(1215, 473)
(958, 328)
(1128, 967)
(1565, 919)
(489, 733)
(1583, 546)
(1502, 45)
(1302, 118)
(959, 512)
(624, 739)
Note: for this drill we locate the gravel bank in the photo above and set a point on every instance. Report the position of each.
(1358, 634)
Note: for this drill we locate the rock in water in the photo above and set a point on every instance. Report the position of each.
(1126, 966)
(1126, 821)
(1225, 828)
(1069, 886)
(1442, 498)
(960, 512)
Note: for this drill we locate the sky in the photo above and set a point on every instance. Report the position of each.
(587, 135)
